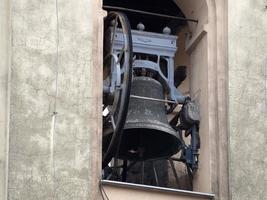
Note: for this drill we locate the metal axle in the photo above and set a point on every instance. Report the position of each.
(149, 13)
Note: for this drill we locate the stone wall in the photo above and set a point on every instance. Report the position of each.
(247, 24)
(4, 93)
(55, 99)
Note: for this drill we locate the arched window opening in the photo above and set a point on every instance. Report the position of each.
(161, 87)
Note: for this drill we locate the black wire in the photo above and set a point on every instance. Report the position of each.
(103, 192)
(190, 176)
(102, 195)
(131, 165)
(174, 173)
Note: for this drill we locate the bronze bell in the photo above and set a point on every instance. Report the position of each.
(147, 133)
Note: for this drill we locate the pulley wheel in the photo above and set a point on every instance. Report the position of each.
(117, 70)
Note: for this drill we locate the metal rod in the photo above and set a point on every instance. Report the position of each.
(174, 172)
(153, 99)
(149, 13)
(113, 122)
(190, 176)
(143, 172)
(177, 159)
(131, 165)
(124, 172)
(155, 173)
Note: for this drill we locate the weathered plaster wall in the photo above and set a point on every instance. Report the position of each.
(247, 26)
(55, 112)
(4, 92)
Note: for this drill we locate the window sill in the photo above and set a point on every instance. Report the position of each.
(129, 191)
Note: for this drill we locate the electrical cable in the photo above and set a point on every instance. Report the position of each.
(175, 173)
(103, 192)
(54, 114)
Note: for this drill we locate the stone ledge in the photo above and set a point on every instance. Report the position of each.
(129, 191)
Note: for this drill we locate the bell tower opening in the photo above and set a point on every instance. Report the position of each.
(163, 92)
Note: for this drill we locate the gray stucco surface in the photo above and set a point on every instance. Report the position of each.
(49, 152)
(4, 94)
(247, 99)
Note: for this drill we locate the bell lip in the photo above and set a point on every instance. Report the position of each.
(172, 133)
(162, 127)
(120, 156)
(177, 144)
